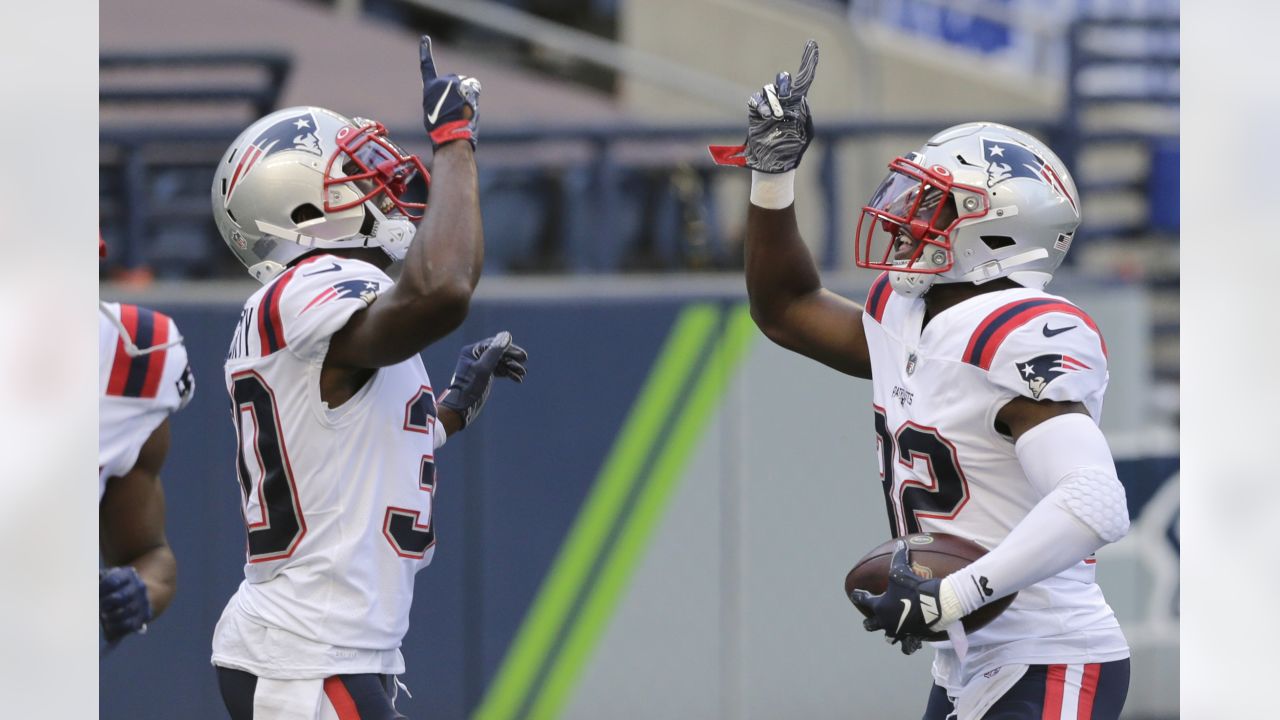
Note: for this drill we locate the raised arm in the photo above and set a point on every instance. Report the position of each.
(444, 262)
(788, 301)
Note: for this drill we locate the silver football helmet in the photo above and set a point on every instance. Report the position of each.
(306, 178)
(979, 201)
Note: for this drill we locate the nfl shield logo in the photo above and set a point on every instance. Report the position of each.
(911, 363)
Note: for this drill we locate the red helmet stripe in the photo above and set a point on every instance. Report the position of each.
(246, 162)
(1056, 182)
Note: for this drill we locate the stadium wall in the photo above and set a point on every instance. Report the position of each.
(657, 524)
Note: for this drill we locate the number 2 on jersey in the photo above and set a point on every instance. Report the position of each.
(947, 490)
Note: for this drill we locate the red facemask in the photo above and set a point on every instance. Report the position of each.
(913, 211)
(377, 167)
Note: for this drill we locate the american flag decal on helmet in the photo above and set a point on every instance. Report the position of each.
(297, 132)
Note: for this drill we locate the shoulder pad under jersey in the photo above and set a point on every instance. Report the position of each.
(149, 361)
(303, 307)
(1043, 348)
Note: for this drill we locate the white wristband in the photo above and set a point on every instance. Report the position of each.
(440, 435)
(773, 191)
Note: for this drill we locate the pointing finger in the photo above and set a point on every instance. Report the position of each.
(808, 67)
(424, 57)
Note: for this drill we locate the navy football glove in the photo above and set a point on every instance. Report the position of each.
(450, 104)
(908, 608)
(123, 606)
(473, 377)
(779, 124)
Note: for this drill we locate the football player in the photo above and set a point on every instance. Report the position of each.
(987, 394)
(337, 422)
(143, 377)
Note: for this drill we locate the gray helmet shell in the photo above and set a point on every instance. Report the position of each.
(269, 195)
(1033, 209)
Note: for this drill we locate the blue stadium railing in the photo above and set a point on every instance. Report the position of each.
(596, 207)
(1143, 56)
(261, 93)
(599, 212)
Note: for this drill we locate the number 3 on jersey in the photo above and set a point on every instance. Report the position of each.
(947, 490)
(402, 527)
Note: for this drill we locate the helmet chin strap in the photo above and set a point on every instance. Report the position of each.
(392, 235)
(265, 271)
(911, 284)
(994, 269)
(915, 284)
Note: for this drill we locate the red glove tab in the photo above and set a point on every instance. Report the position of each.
(456, 130)
(729, 154)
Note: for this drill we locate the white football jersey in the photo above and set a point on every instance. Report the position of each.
(142, 377)
(337, 501)
(946, 468)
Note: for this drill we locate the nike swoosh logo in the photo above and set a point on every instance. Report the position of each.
(431, 116)
(333, 267)
(906, 610)
(1055, 331)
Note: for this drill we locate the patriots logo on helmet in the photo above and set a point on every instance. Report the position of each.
(1008, 160)
(292, 133)
(1039, 371)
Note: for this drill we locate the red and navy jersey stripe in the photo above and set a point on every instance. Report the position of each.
(992, 331)
(270, 325)
(878, 297)
(139, 376)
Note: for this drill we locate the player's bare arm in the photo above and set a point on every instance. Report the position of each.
(441, 269)
(440, 272)
(443, 265)
(131, 529)
(788, 301)
(1023, 413)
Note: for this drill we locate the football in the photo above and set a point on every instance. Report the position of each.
(933, 555)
